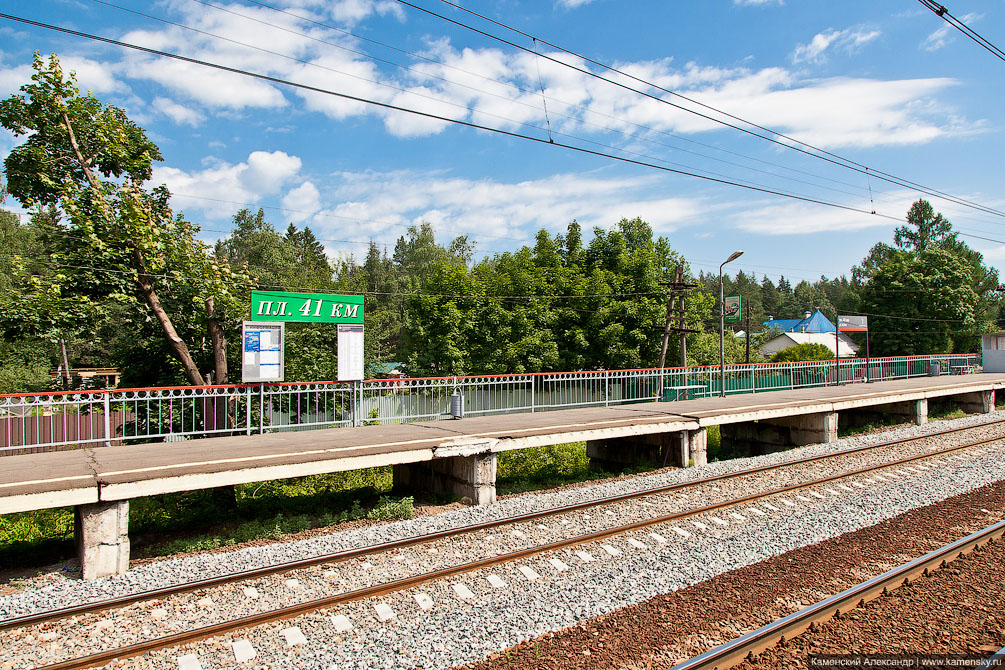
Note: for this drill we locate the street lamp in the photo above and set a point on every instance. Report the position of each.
(722, 326)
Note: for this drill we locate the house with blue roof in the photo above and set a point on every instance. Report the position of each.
(813, 328)
(814, 322)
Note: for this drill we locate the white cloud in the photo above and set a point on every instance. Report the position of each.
(501, 89)
(13, 78)
(301, 202)
(381, 205)
(944, 34)
(215, 189)
(571, 4)
(850, 40)
(178, 113)
(354, 11)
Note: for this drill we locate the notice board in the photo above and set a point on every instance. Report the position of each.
(262, 351)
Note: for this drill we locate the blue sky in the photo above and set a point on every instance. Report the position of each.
(885, 84)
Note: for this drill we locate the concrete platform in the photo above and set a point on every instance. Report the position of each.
(39, 481)
(455, 455)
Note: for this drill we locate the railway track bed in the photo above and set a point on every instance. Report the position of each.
(470, 615)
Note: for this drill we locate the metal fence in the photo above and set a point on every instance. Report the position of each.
(68, 420)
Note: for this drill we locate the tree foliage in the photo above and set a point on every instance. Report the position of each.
(808, 351)
(89, 163)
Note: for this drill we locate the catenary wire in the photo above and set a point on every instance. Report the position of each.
(465, 108)
(789, 143)
(520, 89)
(941, 11)
(437, 117)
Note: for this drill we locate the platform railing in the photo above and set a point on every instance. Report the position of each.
(75, 419)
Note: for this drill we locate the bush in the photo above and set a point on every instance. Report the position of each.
(803, 352)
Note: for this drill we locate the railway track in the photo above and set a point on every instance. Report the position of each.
(734, 652)
(362, 552)
(392, 586)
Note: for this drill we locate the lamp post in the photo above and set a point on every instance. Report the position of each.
(722, 326)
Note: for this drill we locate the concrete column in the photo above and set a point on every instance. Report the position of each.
(768, 435)
(979, 402)
(471, 477)
(102, 534)
(698, 440)
(914, 410)
(809, 428)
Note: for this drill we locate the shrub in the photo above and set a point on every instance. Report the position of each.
(803, 352)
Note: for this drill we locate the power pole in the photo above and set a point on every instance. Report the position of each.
(676, 314)
(748, 332)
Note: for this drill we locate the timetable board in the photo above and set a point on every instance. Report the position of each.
(262, 351)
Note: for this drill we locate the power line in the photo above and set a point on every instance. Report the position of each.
(790, 142)
(464, 107)
(941, 11)
(437, 117)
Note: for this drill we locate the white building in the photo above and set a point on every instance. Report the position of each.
(993, 352)
(847, 346)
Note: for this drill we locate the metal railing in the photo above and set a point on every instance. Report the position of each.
(74, 419)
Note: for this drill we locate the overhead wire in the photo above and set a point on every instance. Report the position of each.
(790, 142)
(437, 117)
(525, 91)
(464, 107)
(942, 12)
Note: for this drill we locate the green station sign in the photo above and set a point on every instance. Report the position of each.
(306, 307)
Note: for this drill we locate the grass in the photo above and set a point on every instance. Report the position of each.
(195, 520)
(549, 467)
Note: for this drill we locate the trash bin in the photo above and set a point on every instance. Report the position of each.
(457, 406)
(935, 369)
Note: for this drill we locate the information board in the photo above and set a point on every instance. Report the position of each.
(306, 307)
(262, 351)
(731, 309)
(350, 352)
(853, 324)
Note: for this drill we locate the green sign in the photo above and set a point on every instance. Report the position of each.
(307, 307)
(731, 309)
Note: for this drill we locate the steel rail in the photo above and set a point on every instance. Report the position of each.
(290, 611)
(359, 552)
(735, 651)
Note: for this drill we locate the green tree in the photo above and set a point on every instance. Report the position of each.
(90, 161)
(925, 228)
(918, 301)
(931, 294)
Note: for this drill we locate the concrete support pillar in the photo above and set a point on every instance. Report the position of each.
(979, 402)
(659, 449)
(102, 534)
(913, 410)
(761, 437)
(471, 477)
(698, 446)
(809, 428)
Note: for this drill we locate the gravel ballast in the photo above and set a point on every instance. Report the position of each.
(462, 629)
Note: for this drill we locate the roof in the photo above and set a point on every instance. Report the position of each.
(814, 323)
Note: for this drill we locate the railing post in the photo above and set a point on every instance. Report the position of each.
(357, 402)
(247, 407)
(607, 389)
(108, 420)
(261, 408)
(532, 380)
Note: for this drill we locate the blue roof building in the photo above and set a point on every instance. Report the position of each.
(810, 323)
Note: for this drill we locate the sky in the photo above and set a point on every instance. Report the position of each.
(865, 95)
